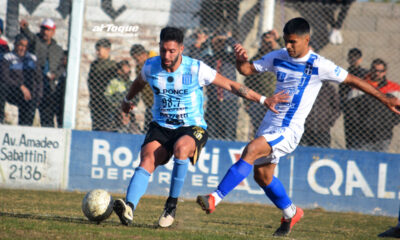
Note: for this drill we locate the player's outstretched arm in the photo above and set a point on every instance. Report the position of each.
(247, 93)
(135, 88)
(242, 61)
(391, 102)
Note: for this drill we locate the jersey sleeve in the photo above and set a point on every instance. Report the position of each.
(265, 63)
(143, 71)
(328, 71)
(206, 74)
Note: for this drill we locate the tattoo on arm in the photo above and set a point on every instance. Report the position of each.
(243, 91)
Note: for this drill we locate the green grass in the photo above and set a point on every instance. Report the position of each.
(26, 214)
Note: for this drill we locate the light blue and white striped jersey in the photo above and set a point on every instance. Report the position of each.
(302, 79)
(178, 96)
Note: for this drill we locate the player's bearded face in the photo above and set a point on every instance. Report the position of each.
(170, 53)
(296, 45)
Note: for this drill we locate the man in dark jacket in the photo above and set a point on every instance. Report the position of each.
(21, 80)
(222, 122)
(49, 57)
(326, 110)
(102, 70)
(348, 96)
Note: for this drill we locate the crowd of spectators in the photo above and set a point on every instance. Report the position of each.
(33, 78)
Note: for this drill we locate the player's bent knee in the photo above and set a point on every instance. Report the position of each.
(183, 151)
(253, 151)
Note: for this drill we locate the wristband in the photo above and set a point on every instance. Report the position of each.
(126, 100)
(262, 99)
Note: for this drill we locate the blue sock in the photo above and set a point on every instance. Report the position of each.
(138, 185)
(178, 176)
(235, 175)
(276, 192)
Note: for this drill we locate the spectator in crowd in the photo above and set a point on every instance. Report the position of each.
(115, 91)
(201, 45)
(222, 122)
(220, 13)
(347, 97)
(60, 91)
(102, 70)
(49, 58)
(375, 122)
(262, 83)
(335, 36)
(3, 43)
(322, 17)
(21, 80)
(377, 78)
(139, 54)
(325, 112)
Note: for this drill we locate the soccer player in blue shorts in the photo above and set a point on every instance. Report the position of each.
(178, 128)
(299, 72)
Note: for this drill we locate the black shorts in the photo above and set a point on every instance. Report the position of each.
(167, 137)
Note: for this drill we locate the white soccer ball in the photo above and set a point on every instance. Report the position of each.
(97, 205)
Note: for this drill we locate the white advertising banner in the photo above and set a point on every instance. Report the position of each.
(34, 158)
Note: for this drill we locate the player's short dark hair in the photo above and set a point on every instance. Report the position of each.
(171, 34)
(378, 61)
(122, 63)
(104, 42)
(354, 53)
(298, 26)
(20, 37)
(137, 49)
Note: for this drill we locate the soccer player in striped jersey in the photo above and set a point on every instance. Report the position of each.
(300, 73)
(178, 128)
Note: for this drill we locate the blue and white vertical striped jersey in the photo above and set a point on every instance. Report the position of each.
(178, 96)
(302, 79)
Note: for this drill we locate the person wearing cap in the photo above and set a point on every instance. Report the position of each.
(140, 55)
(49, 57)
(3, 43)
(102, 70)
(22, 81)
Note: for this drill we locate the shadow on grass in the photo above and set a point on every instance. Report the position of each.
(71, 220)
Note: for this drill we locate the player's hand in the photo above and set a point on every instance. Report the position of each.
(275, 34)
(23, 23)
(393, 104)
(280, 97)
(26, 92)
(126, 106)
(241, 54)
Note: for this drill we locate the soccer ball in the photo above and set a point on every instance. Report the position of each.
(97, 205)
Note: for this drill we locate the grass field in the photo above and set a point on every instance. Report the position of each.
(26, 214)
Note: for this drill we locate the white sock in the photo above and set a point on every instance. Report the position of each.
(217, 198)
(289, 212)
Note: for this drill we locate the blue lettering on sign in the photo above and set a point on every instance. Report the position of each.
(336, 180)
